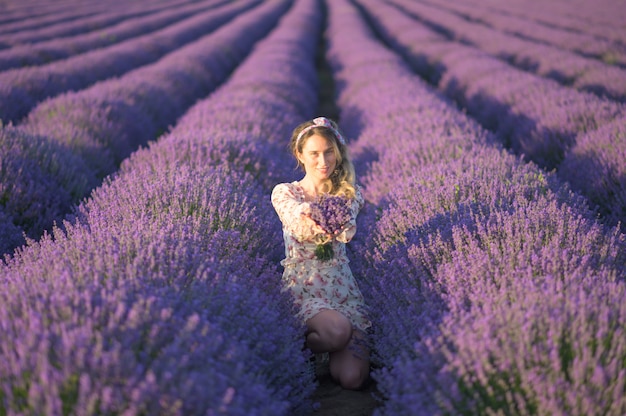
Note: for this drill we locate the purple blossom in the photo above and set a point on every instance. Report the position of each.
(82, 70)
(565, 66)
(493, 288)
(161, 295)
(595, 167)
(45, 41)
(533, 116)
(453, 220)
(104, 124)
(331, 212)
(40, 181)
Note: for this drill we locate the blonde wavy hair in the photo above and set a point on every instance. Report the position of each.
(342, 180)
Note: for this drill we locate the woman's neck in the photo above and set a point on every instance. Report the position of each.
(311, 187)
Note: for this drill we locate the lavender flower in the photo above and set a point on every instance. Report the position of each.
(80, 71)
(458, 231)
(98, 127)
(161, 297)
(492, 287)
(45, 43)
(331, 213)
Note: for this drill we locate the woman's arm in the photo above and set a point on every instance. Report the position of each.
(294, 215)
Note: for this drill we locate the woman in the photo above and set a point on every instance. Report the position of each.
(325, 291)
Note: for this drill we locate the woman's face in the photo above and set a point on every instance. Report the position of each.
(318, 157)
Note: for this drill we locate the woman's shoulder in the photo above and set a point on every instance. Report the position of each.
(285, 188)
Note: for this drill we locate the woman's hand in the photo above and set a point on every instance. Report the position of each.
(314, 226)
(342, 229)
(346, 233)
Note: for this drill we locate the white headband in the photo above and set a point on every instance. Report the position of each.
(321, 122)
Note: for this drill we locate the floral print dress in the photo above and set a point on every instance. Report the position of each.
(315, 284)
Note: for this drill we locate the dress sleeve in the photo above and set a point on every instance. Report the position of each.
(350, 230)
(292, 213)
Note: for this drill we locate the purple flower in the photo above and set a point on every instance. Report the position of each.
(331, 213)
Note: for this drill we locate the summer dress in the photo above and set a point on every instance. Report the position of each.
(315, 284)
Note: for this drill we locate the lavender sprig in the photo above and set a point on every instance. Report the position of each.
(331, 213)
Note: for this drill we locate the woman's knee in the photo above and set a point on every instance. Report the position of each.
(353, 378)
(333, 326)
(340, 334)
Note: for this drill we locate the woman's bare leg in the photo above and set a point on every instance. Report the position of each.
(328, 331)
(351, 366)
(331, 331)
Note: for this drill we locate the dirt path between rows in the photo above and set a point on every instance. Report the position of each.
(330, 398)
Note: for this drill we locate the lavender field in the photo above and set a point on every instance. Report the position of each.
(139, 144)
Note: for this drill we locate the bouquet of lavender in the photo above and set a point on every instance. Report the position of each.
(331, 213)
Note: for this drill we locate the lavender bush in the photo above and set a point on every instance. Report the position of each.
(40, 181)
(122, 114)
(577, 41)
(137, 347)
(12, 235)
(134, 25)
(21, 89)
(103, 18)
(566, 67)
(54, 15)
(545, 342)
(595, 167)
(533, 116)
(435, 212)
(105, 123)
(601, 22)
(197, 271)
(492, 286)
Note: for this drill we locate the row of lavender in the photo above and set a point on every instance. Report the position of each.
(30, 30)
(580, 134)
(21, 89)
(133, 249)
(18, 16)
(566, 67)
(602, 19)
(68, 144)
(492, 288)
(609, 46)
(53, 43)
(162, 297)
